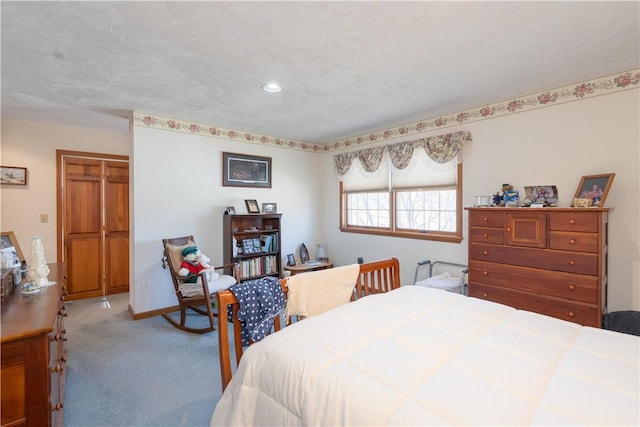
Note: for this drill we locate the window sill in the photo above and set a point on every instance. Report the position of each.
(451, 238)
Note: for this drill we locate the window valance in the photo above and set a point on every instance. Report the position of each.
(440, 148)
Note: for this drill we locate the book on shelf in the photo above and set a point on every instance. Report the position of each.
(312, 262)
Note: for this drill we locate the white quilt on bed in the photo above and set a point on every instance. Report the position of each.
(423, 356)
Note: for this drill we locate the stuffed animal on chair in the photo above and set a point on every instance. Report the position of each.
(191, 264)
(212, 275)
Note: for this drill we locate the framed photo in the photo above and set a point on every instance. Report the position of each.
(595, 188)
(269, 208)
(241, 170)
(231, 210)
(12, 175)
(545, 194)
(291, 260)
(9, 243)
(252, 206)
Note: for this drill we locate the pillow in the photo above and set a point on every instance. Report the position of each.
(174, 252)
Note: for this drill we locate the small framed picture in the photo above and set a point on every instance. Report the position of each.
(12, 175)
(252, 206)
(231, 210)
(269, 208)
(10, 245)
(594, 188)
(291, 261)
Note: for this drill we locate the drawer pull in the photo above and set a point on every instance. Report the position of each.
(572, 287)
(572, 262)
(571, 314)
(485, 219)
(508, 229)
(572, 221)
(484, 294)
(485, 273)
(572, 241)
(485, 252)
(485, 235)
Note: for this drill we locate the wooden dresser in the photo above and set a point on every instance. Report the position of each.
(551, 261)
(33, 355)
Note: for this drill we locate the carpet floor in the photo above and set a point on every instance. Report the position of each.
(124, 372)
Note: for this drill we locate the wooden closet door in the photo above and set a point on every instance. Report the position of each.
(82, 227)
(116, 227)
(93, 223)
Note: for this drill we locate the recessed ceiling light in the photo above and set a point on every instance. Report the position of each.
(271, 87)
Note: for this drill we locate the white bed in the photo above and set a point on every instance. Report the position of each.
(422, 356)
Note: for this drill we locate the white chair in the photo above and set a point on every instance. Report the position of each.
(443, 275)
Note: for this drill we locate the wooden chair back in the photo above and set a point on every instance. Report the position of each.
(374, 277)
(377, 277)
(227, 303)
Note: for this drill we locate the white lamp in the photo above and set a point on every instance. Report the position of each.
(321, 253)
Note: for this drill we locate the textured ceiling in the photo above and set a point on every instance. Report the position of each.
(346, 68)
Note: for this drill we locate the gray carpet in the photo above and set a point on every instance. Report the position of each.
(123, 372)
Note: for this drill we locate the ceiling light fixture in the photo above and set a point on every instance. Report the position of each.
(271, 87)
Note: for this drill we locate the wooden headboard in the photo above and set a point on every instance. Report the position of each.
(375, 277)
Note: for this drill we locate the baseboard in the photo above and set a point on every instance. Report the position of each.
(152, 313)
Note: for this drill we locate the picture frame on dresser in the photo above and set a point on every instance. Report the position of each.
(269, 208)
(594, 188)
(9, 242)
(252, 206)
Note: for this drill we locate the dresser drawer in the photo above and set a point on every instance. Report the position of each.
(572, 311)
(574, 221)
(575, 287)
(573, 241)
(486, 219)
(486, 235)
(571, 262)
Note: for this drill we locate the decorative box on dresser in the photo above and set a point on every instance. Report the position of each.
(33, 355)
(551, 261)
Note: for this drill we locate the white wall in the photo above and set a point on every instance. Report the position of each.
(177, 190)
(555, 145)
(33, 145)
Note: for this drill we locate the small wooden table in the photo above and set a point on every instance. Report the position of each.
(303, 268)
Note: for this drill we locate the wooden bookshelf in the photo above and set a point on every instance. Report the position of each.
(252, 243)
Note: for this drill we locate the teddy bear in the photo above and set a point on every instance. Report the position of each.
(191, 266)
(195, 262)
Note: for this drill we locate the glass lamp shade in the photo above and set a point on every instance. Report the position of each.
(321, 252)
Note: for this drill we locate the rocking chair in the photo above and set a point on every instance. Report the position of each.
(195, 296)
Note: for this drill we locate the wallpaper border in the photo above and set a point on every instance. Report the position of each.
(601, 86)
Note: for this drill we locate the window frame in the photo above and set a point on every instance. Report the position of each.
(441, 236)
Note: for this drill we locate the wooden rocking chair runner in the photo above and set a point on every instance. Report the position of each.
(195, 296)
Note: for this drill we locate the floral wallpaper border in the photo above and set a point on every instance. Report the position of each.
(601, 86)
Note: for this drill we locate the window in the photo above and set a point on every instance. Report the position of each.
(422, 201)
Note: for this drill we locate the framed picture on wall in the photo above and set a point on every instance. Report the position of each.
(13, 175)
(241, 170)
